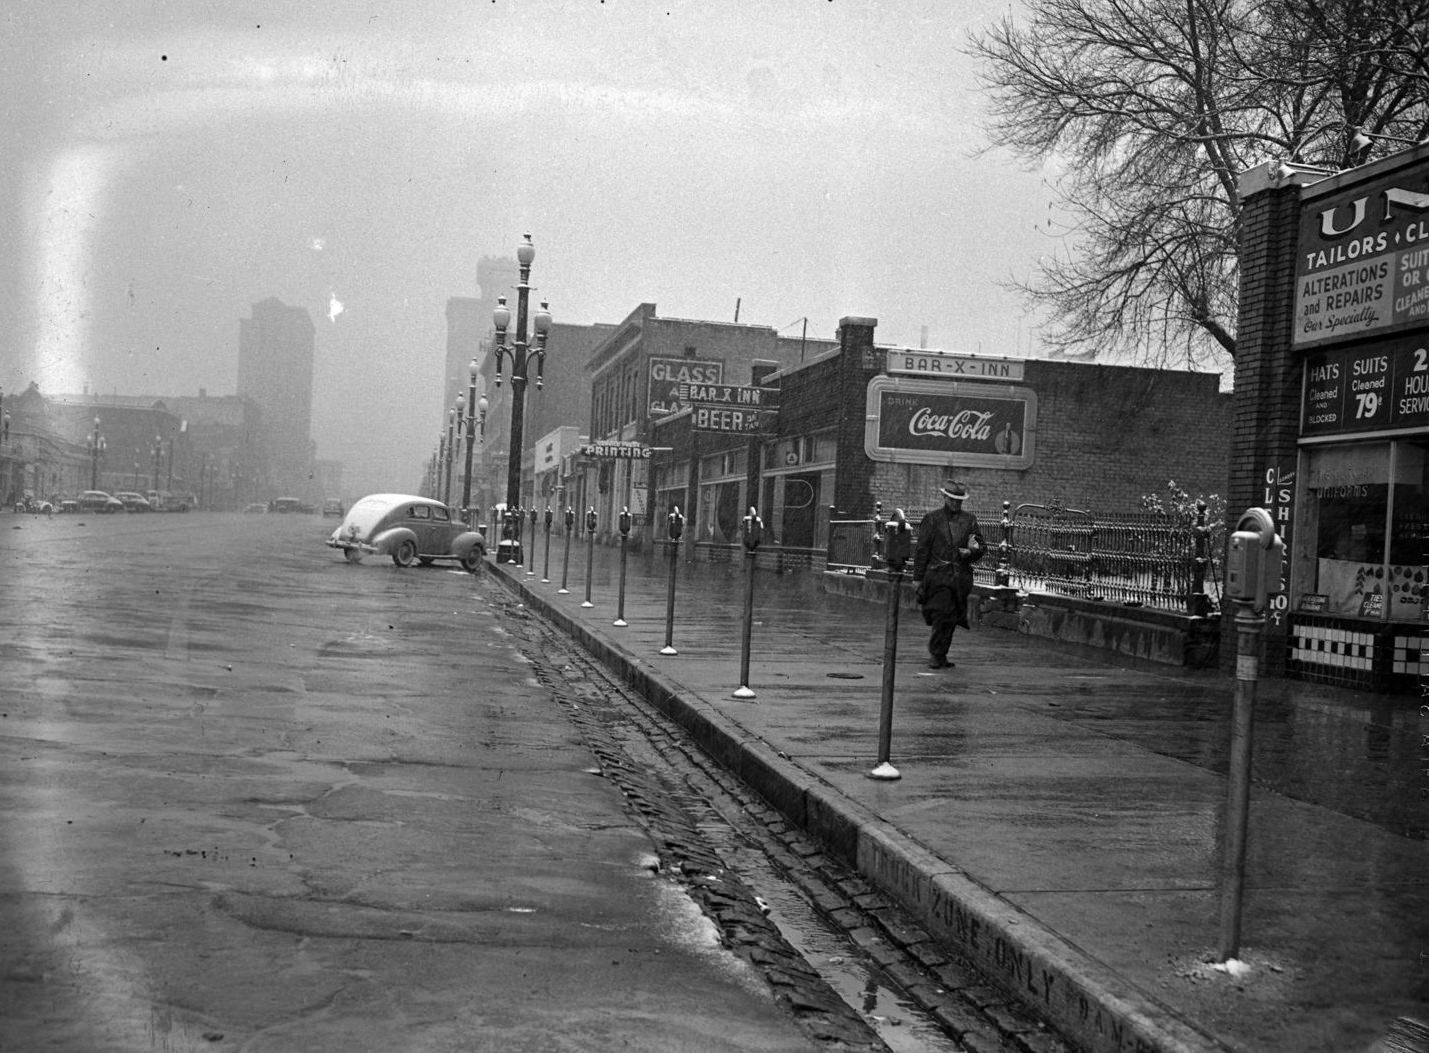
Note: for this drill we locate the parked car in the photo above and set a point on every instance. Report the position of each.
(407, 528)
(256, 508)
(332, 507)
(285, 504)
(99, 501)
(67, 506)
(133, 502)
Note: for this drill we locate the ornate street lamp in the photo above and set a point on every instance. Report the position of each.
(472, 407)
(451, 455)
(521, 354)
(158, 458)
(96, 446)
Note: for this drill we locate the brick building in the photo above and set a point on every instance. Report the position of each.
(859, 424)
(1332, 412)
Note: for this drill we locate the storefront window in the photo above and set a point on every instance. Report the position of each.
(1367, 515)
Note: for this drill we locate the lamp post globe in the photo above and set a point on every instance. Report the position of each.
(521, 354)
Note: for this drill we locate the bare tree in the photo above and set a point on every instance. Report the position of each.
(1152, 108)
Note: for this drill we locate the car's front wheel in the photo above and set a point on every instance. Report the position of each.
(405, 553)
(471, 562)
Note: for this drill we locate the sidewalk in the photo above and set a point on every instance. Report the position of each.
(1058, 814)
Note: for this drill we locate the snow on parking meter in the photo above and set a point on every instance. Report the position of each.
(897, 540)
(753, 530)
(1255, 560)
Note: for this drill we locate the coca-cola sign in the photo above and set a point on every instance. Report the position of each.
(969, 424)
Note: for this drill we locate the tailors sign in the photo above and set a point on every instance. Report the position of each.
(1363, 260)
(914, 421)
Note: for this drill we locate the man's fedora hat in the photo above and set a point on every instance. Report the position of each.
(956, 489)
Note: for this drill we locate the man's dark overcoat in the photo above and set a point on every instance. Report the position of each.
(947, 578)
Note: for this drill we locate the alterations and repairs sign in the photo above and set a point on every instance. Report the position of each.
(954, 365)
(1363, 260)
(915, 421)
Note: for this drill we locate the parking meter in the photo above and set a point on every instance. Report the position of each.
(1255, 560)
(591, 519)
(878, 546)
(897, 540)
(570, 518)
(533, 521)
(753, 529)
(677, 524)
(549, 517)
(624, 521)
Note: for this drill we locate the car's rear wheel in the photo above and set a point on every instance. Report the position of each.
(353, 554)
(405, 553)
(471, 562)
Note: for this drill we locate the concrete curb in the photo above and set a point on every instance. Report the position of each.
(1088, 1002)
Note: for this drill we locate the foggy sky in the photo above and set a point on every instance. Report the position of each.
(166, 166)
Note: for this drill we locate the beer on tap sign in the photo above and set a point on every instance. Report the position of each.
(913, 421)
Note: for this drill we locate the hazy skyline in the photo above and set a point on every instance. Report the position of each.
(168, 167)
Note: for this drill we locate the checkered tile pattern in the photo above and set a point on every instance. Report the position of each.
(1411, 654)
(1320, 645)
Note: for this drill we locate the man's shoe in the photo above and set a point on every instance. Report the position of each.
(939, 663)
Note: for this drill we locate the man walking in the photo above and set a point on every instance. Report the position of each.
(949, 543)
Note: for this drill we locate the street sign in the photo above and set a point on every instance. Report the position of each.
(626, 451)
(717, 418)
(728, 395)
(953, 365)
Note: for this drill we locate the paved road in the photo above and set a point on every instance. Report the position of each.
(252, 797)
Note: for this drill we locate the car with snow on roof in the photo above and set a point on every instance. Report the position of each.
(409, 529)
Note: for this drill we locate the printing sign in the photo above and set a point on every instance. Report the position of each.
(975, 424)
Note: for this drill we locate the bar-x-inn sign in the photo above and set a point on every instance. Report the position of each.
(954, 366)
(728, 394)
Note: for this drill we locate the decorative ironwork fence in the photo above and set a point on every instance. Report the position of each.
(1138, 559)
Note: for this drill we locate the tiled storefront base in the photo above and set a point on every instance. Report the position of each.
(1349, 652)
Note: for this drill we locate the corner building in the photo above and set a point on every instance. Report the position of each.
(1331, 431)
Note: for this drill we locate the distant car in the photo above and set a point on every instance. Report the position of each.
(256, 508)
(67, 506)
(285, 504)
(408, 529)
(133, 502)
(99, 501)
(173, 502)
(332, 507)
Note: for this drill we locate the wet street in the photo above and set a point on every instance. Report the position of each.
(256, 798)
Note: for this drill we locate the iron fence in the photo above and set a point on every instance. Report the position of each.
(1138, 559)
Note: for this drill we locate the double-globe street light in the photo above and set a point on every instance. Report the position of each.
(96, 445)
(521, 354)
(473, 407)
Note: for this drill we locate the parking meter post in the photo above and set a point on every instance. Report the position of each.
(531, 563)
(624, 523)
(1254, 567)
(896, 542)
(518, 527)
(1237, 816)
(566, 561)
(753, 532)
(676, 531)
(546, 577)
(590, 521)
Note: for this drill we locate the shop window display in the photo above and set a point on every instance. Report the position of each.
(1368, 512)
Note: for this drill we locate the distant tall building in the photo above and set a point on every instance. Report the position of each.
(275, 372)
(469, 323)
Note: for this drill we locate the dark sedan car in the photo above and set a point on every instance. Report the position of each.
(99, 501)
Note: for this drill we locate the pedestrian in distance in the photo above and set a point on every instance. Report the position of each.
(949, 543)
